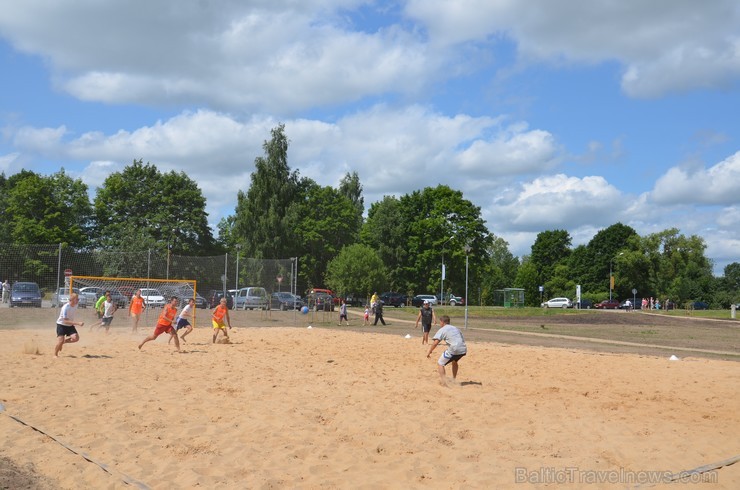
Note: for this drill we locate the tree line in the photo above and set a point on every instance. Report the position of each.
(400, 245)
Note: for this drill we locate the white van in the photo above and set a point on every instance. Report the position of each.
(251, 298)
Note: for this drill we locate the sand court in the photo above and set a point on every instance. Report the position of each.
(285, 407)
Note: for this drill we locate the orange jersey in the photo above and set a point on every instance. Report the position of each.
(220, 312)
(137, 305)
(168, 315)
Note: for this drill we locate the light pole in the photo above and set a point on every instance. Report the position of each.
(611, 278)
(236, 278)
(467, 256)
(442, 283)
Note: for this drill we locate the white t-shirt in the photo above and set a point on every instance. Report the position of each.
(186, 312)
(108, 308)
(67, 315)
(454, 338)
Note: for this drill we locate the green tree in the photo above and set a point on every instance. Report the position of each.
(261, 221)
(550, 248)
(351, 188)
(357, 269)
(501, 270)
(53, 209)
(140, 208)
(385, 231)
(323, 224)
(527, 278)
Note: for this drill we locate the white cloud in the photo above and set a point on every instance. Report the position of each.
(664, 45)
(558, 202)
(719, 184)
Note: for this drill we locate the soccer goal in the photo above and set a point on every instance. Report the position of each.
(156, 292)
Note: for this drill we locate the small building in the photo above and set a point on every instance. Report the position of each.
(509, 297)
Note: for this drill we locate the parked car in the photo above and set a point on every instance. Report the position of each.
(285, 300)
(584, 304)
(252, 298)
(557, 303)
(419, 299)
(214, 298)
(93, 293)
(321, 301)
(355, 300)
(153, 298)
(62, 296)
(25, 294)
(396, 300)
(700, 305)
(624, 305)
(607, 304)
(450, 299)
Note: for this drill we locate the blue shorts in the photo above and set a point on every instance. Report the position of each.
(447, 358)
(182, 323)
(426, 328)
(65, 330)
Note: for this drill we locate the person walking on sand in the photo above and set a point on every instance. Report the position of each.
(343, 313)
(66, 331)
(427, 318)
(164, 324)
(135, 309)
(183, 320)
(456, 348)
(366, 316)
(220, 313)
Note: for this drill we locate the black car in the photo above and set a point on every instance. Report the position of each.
(25, 294)
(585, 304)
(393, 299)
(214, 298)
(321, 301)
(700, 305)
(355, 300)
(285, 301)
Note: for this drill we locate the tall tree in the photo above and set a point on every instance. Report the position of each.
(351, 188)
(49, 209)
(260, 224)
(501, 270)
(140, 208)
(550, 248)
(357, 269)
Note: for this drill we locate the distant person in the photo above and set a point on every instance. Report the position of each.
(66, 331)
(366, 316)
(220, 313)
(99, 309)
(183, 320)
(427, 317)
(135, 309)
(379, 313)
(374, 299)
(343, 313)
(6, 291)
(456, 348)
(164, 324)
(628, 305)
(644, 303)
(109, 308)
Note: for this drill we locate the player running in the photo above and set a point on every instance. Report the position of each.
(217, 320)
(164, 324)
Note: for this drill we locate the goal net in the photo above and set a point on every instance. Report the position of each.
(156, 292)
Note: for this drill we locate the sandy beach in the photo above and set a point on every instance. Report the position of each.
(291, 407)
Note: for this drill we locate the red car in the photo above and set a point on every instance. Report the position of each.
(607, 304)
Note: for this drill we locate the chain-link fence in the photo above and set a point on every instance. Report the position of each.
(48, 265)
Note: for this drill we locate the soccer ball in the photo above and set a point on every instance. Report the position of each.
(304, 310)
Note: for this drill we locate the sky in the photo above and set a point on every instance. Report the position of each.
(571, 115)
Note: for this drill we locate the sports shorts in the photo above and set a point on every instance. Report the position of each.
(105, 321)
(182, 323)
(217, 325)
(447, 358)
(161, 328)
(426, 328)
(65, 330)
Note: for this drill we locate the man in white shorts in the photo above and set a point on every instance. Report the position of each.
(456, 348)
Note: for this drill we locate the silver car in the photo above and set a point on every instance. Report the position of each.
(62, 296)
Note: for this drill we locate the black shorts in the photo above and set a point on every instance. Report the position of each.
(182, 323)
(426, 328)
(65, 330)
(451, 358)
(343, 316)
(106, 321)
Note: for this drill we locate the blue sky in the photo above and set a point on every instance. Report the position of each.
(574, 115)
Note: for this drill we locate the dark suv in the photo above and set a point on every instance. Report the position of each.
(25, 294)
(393, 299)
(214, 298)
